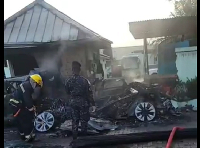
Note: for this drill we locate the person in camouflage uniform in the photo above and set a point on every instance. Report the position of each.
(80, 98)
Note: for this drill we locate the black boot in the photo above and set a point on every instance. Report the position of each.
(22, 136)
(30, 138)
(74, 135)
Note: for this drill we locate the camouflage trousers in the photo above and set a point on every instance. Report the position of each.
(80, 114)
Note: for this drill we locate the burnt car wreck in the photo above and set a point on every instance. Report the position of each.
(114, 99)
(137, 100)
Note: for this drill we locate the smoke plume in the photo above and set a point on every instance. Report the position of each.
(51, 61)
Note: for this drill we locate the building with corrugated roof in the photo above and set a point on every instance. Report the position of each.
(41, 36)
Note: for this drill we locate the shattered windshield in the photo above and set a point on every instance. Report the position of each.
(113, 83)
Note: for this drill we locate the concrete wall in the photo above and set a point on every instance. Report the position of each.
(82, 55)
(75, 55)
(186, 62)
(47, 60)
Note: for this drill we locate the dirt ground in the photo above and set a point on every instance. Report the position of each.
(10, 136)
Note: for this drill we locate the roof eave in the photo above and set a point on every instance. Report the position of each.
(163, 27)
(67, 42)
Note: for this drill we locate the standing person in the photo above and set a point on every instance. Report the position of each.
(23, 107)
(80, 98)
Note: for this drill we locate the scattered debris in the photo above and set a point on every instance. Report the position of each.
(101, 125)
(137, 100)
(190, 105)
(95, 126)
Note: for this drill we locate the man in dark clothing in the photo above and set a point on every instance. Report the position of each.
(80, 98)
(23, 107)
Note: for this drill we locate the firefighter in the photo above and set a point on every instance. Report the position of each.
(23, 107)
(80, 99)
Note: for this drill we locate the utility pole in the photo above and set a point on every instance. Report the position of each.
(146, 62)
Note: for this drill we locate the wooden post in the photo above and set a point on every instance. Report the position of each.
(146, 62)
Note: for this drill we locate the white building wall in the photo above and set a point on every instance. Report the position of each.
(186, 62)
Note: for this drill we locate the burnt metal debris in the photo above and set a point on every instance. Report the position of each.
(151, 100)
(138, 101)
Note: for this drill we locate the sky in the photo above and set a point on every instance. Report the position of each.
(109, 18)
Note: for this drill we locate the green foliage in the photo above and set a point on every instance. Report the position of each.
(186, 90)
(191, 85)
(181, 8)
(184, 8)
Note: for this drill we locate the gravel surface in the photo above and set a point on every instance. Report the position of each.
(10, 136)
(192, 143)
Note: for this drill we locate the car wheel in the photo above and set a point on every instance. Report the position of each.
(145, 111)
(44, 121)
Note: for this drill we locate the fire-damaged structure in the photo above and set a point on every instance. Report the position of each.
(115, 99)
(55, 40)
(136, 99)
(40, 36)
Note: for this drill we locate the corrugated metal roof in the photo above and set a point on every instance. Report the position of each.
(163, 27)
(169, 18)
(41, 22)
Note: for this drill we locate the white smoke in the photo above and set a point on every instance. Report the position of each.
(50, 60)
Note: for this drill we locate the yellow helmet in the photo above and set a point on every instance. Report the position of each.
(37, 78)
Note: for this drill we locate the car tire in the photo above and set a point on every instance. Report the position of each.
(145, 112)
(133, 110)
(44, 121)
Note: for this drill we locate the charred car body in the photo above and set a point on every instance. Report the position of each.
(116, 99)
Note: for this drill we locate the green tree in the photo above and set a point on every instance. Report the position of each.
(181, 8)
(184, 8)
